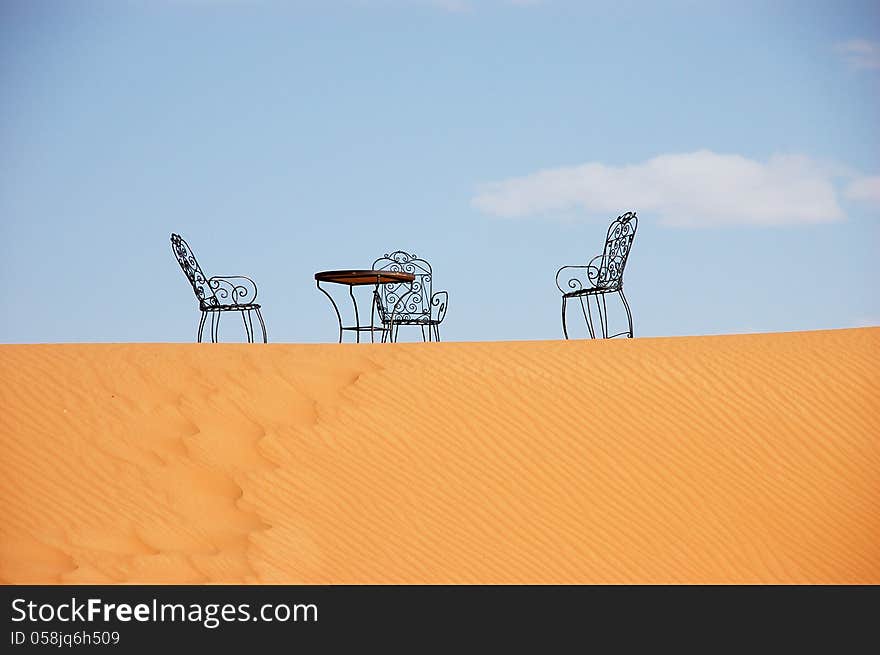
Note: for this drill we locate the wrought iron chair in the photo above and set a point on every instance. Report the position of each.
(603, 275)
(218, 294)
(409, 304)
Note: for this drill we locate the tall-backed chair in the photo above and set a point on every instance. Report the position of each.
(218, 294)
(410, 304)
(602, 276)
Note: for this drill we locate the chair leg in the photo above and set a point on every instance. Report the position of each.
(424, 336)
(603, 315)
(262, 325)
(437, 332)
(564, 327)
(215, 326)
(201, 327)
(605, 312)
(245, 315)
(629, 316)
(588, 316)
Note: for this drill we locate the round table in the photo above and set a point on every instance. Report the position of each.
(362, 277)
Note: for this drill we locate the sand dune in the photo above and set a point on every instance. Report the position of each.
(736, 459)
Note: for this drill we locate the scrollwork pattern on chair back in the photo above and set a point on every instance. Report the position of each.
(618, 242)
(397, 298)
(190, 266)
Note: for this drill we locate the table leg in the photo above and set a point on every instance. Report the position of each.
(335, 308)
(373, 313)
(357, 320)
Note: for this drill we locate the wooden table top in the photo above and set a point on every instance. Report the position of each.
(356, 277)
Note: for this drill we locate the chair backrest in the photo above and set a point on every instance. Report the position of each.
(618, 242)
(417, 303)
(187, 260)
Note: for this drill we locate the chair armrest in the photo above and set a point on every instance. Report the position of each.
(440, 300)
(578, 278)
(234, 289)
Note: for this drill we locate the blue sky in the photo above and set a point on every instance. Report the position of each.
(495, 138)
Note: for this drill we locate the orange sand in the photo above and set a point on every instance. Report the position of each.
(736, 459)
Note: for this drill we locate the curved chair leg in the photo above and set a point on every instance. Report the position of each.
(251, 324)
(437, 332)
(245, 314)
(603, 315)
(262, 325)
(564, 327)
(629, 316)
(215, 326)
(588, 316)
(628, 313)
(201, 327)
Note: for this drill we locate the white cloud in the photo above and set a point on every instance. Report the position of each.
(689, 189)
(861, 53)
(864, 189)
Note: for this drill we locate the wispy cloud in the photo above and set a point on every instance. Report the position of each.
(864, 189)
(690, 189)
(860, 53)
